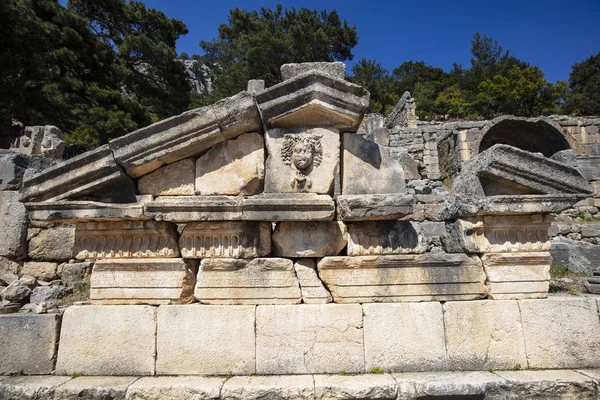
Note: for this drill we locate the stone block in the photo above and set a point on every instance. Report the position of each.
(275, 207)
(53, 244)
(483, 335)
(44, 271)
(256, 281)
(28, 343)
(13, 225)
(232, 167)
(384, 237)
(195, 208)
(175, 387)
(376, 387)
(84, 211)
(186, 135)
(107, 340)
(409, 165)
(8, 266)
(369, 168)
(302, 160)
(517, 275)
(31, 387)
(12, 169)
(175, 179)
(309, 239)
(226, 240)
(404, 337)
(125, 239)
(575, 255)
(446, 385)
(16, 292)
(291, 387)
(313, 291)
(292, 70)
(561, 332)
(95, 387)
(548, 384)
(397, 278)
(309, 339)
(205, 340)
(46, 140)
(312, 99)
(143, 281)
(75, 274)
(374, 207)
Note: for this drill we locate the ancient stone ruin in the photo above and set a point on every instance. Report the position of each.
(282, 231)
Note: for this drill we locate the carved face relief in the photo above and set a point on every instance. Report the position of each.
(302, 153)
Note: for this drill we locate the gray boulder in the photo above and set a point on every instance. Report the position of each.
(45, 294)
(16, 292)
(575, 255)
(73, 275)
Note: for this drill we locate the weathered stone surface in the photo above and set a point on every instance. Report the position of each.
(256, 281)
(484, 335)
(8, 266)
(409, 165)
(292, 70)
(225, 240)
(95, 387)
(302, 160)
(195, 208)
(12, 168)
(175, 179)
(232, 167)
(313, 291)
(306, 339)
(575, 255)
(313, 99)
(143, 281)
(30, 387)
(28, 343)
(374, 207)
(46, 140)
(384, 237)
(186, 135)
(404, 113)
(588, 166)
(94, 173)
(82, 211)
(125, 239)
(369, 168)
(309, 239)
(47, 294)
(16, 292)
(499, 234)
(288, 207)
(404, 337)
(561, 332)
(297, 387)
(517, 275)
(107, 340)
(376, 387)
(52, 244)
(396, 278)
(13, 225)
(255, 86)
(205, 340)
(175, 387)
(548, 384)
(74, 275)
(504, 179)
(434, 385)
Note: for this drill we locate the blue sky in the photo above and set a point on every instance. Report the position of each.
(551, 34)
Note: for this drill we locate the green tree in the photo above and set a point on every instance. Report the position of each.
(424, 83)
(452, 103)
(584, 85)
(371, 75)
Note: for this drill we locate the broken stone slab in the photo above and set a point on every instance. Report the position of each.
(592, 287)
(46, 140)
(175, 387)
(397, 278)
(306, 339)
(175, 179)
(498, 234)
(302, 160)
(125, 239)
(107, 340)
(290, 387)
(384, 237)
(206, 340)
(52, 244)
(195, 208)
(94, 387)
(443, 384)
(575, 255)
(312, 99)
(309, 239)
(49, 294)
(186, 135)
(292, 70)
(369, 168)
(589, 166)
(143, 281)
(12, 169)
(404, 113)
(374, 207)
(225, 240)
(232, 167)
(546, 384)
(94, 173)
(13, 225)
(44, 271)
(31, 387)
(256, 281)
(16, 292)
(82, 211)
(409, 165)
(276, 207)
(313, 290)
(517, 275)
(28, 343)
(75, 274)
(370, 386)
(508, 180)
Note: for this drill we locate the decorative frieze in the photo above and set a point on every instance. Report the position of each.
(517, 275)
(384, 237)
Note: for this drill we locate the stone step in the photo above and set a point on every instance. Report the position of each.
(555, 384)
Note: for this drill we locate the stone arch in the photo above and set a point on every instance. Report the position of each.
(539, 135)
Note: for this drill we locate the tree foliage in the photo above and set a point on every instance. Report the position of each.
(583, 98)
